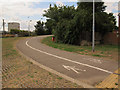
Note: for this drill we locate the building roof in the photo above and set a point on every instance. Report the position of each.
(13, 22)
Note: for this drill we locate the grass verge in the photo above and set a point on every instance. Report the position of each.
(104, 51)
(17, 72)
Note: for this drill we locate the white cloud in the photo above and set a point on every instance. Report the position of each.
(24, 25)
(110, 0)
(15, 12)
(94, 0)
(23, 9)
(6, 1)
(73, 0)
(59, 3)
(112, 6)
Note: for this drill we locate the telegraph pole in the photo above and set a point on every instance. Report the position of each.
(29, 26)
(118, 32)
(93, 32)
(3, 27)
(118, 26)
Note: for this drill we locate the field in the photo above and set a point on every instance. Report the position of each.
(17, 72)
(101, 51)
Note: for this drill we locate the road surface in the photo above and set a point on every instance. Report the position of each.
(87, 69)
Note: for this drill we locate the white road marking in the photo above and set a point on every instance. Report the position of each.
(97, 68)
(73, 68)
(94, 60)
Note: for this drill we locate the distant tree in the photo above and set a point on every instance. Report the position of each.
(14, 31)
(19, 32)
(23, 33)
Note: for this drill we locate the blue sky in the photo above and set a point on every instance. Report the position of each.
(46, 4)
(20, 11)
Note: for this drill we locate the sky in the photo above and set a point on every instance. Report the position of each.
(24, 10)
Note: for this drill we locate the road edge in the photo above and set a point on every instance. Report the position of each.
(85, 85)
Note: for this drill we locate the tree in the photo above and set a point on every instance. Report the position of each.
(68, 23)
(104, 22)
(59, 22)
(39, 30)
(99, 6)
(49, 25)
(14, 31)
(19, 32)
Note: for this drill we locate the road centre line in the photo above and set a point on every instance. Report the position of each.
(65, 59)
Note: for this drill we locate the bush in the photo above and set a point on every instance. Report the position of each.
(21, 33)
(14, 31)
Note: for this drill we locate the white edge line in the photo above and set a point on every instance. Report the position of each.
(68, 59)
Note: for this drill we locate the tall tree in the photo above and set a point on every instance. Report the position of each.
(39, 30)
(50, 24)
(68, 23)
(104, 22)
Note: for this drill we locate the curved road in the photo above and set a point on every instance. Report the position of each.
(82, 68)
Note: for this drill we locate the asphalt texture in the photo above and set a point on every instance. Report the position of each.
(84, 68)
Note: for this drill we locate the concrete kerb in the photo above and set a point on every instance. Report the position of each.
(85, 85)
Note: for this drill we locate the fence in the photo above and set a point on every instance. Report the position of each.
(112, 38)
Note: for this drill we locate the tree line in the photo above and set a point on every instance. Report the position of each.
(68, 23)
(22, 33)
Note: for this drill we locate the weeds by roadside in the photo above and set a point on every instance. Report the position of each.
(102, 51)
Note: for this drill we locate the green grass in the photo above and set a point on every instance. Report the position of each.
(65, 47)
(100, 50)
(59, 78)
(50, 73)
(97, 55)
(32, 76)
(116, 83)
(8, 47)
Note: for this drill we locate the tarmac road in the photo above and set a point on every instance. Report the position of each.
(86, 69)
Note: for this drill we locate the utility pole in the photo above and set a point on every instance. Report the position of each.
(118, 26)
(29, 26)
(3, 27)
(93, 32)
(118, 23)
